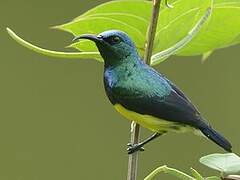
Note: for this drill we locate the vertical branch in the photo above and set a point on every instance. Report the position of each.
(135, 128)
(133, 158)
(152, 31)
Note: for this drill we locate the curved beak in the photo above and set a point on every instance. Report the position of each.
(91, 37)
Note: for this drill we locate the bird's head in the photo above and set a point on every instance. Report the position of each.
(114, 46)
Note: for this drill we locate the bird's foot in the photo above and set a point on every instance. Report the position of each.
(134, 147)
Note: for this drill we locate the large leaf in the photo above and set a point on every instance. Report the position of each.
(161, 56)
(98, 24)
(134, 20)
(222, 30)
(138, 8)
(112, 15)
(228, 163)
(175, 24)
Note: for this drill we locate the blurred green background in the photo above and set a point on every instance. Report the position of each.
(56, 122)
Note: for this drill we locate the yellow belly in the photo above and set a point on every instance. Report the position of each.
(150, 122)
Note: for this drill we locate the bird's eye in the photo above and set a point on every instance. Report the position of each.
(116, 39)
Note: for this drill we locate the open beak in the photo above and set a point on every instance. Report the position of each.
(91, 37)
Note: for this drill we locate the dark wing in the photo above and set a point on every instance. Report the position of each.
(172, 107)
(180, 93)
(175, 88)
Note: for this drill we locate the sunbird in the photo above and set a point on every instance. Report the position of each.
(141, 94)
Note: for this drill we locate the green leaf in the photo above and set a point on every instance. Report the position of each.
(228, 163)
(161, 56)
(206, 55)
(77, 55)
(134, 21)
(213, 178)
(232, 177)
(174, 24)
(222, 30)
(133, 16)
(96, 25)
(127, 7)
(112, 15)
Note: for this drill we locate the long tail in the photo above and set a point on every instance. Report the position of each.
(210, 133)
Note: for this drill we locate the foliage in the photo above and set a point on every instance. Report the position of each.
(228, 164)
(225, 163)
(173, 29)
(46, 52)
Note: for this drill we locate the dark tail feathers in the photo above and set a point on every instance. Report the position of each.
(216, 137)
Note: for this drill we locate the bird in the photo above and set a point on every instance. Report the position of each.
(142, 94)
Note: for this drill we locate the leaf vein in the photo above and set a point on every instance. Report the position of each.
(175, 19)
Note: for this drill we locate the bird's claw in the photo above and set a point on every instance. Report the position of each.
(133, 148)
(129, 144)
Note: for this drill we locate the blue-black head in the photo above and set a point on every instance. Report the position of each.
(114, 46)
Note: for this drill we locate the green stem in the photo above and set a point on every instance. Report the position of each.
(169, 170)
(196, 174)
(69, 55)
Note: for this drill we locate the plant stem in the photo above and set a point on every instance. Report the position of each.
(133, 158)
(46, 52)
(171, 171)
(152, 31)
(135, 128)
